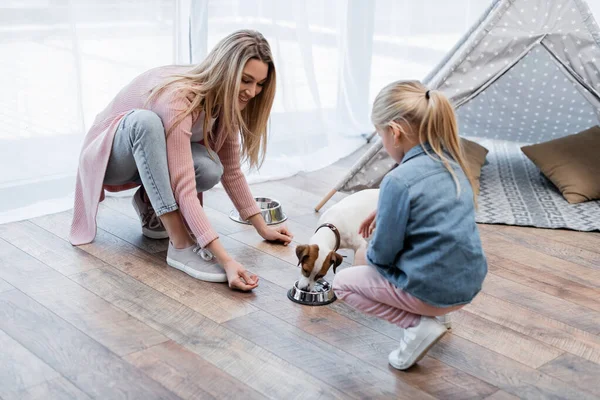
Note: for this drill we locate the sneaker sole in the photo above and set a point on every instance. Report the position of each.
(154, 234)
(447, 324)
(420, 351)
(445, 320)
(202, 276)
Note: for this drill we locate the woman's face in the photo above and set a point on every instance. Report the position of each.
(254, 76)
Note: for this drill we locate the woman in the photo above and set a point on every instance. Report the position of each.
(176, 131)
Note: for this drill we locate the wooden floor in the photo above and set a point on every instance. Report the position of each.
(110, 320)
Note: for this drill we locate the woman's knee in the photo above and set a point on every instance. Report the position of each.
(208, 174)
(146, 125)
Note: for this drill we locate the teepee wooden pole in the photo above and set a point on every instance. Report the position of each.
(325, 199)
(355, 168)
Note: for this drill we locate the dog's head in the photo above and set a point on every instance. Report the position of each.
(315, 264)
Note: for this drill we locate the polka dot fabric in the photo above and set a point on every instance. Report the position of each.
(547, 49)
(532, 102)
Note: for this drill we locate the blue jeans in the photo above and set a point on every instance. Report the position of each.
(139, 155)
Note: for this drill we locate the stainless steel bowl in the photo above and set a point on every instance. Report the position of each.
(269, 208)
(321, 295)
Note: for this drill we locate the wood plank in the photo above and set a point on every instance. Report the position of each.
(553, 277)
(198, 295)
(589, 241)
(128, 229)
(49, 249)
(316, 187)
(223, 224)
(290, 196)
(236, 356)
(60, 225)
(502, 395)
(253, 239)
(510, 376)
(264, 296)
(309, 219)
(266, 266)
(89, 365)
(572, 314)
(338, 368)
(188, 375)
(217, 199)
(499, 246)
(370, 346)
(507, 342)
(56, 389)
(534, 325)
(550, 247)
(220, 221)
(471, 358)
(104, 323)
(575, 370)
(286, 253)
(302, 233)
(19, 368)
(5, 286)
(377, 324)
(544, 282)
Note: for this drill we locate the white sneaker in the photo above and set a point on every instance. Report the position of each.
(151, 226)
(192, 261)
(445, 319)
(416, 343)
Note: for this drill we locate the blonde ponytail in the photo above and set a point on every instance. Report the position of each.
(431, 113)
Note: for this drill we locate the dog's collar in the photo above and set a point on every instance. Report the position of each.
(335, 232)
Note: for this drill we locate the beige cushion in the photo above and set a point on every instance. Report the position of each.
(572, 163)
(475, 158)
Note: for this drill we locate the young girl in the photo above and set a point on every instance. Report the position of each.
(425, 257)
(175, 130)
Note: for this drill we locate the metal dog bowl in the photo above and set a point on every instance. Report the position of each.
(269, 208)
(321, 295)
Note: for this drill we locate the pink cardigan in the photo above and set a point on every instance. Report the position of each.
(89, 187)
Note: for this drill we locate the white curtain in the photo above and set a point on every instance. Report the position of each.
(332, 57)
(62, 61)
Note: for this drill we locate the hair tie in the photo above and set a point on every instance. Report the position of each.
(427, 94)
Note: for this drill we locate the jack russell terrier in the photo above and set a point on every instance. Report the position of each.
(338, 229)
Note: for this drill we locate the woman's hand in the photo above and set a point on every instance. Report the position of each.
(368, 225)
(276, 234)
(238, 277)
(272, 234)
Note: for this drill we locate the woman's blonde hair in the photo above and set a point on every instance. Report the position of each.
(213, 86)
(409, 104)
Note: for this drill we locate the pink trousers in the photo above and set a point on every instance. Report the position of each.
(365, 289)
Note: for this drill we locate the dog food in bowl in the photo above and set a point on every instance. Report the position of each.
(321, 295)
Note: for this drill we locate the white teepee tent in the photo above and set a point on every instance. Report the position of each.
(527, 71)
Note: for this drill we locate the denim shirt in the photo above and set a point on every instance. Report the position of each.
(426, 241)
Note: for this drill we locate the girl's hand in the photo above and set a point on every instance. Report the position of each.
(277, 234)
(238, 277)
(368, 225)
